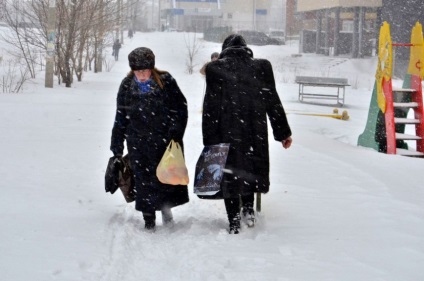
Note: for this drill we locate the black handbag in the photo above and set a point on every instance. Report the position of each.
(120, 175)
(126, 180)
(112, 174)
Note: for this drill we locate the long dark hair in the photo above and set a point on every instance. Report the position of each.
(156, 73)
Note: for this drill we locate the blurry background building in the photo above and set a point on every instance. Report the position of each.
(402, 16)
(351, 27)
(293, 23)
(328, 27)
(199, 15)
(338, 27)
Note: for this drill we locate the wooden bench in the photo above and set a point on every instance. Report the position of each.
(327, 82)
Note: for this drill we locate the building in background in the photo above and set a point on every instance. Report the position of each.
(339, 27)
(260, 15)
(351, 27)
(189, 15)
(402, 17)
(293, 21)
(199, 15)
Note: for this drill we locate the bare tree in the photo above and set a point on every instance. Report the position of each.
(81, 35)
(83, 29)
(70, 12)
(106, 20)
(24, 37)
(193, 46)
(13, 76)
(2, 6)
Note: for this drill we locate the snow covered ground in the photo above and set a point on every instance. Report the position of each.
(335, 211)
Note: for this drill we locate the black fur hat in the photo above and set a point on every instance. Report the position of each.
(141, 58)
(234, 40)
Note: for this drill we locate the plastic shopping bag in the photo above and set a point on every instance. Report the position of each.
(210, 170)
(172, 168)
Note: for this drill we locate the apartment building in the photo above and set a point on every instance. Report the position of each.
(293, 23)
(351, 27)
(339, 27)
(198, 15)
(402, 16)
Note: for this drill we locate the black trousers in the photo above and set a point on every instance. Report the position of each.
(233, 205)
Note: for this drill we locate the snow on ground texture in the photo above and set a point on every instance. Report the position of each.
(335, 211)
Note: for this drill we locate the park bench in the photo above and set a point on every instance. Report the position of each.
(326, 82)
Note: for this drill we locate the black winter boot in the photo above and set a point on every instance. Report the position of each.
(249, 216)
(149, 221)
(247, 210)
(232, 205)
(234, 223)
(150, 225)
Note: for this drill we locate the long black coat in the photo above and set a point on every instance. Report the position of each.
(148, 122)
(240, 93)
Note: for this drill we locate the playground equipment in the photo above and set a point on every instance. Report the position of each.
(388, 112)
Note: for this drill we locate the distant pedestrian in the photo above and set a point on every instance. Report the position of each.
(130, 33)
(214, 56)
(116, 47)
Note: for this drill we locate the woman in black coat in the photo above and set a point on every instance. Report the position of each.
(151, 110)
(240, 93)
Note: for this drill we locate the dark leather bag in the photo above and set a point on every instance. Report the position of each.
(126, 180)
(119, 175)
(112, 174)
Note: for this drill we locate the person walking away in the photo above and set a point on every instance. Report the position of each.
(240, 94)
(116, 47)
(151, 111)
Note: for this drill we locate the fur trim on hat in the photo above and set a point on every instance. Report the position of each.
(141, 58)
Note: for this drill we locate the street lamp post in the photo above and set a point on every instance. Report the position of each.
(51, 39)
(159, 25)
(254, 14)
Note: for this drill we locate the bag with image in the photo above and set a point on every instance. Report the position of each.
(210, 171)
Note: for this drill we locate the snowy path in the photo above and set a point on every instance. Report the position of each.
(309, 226)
